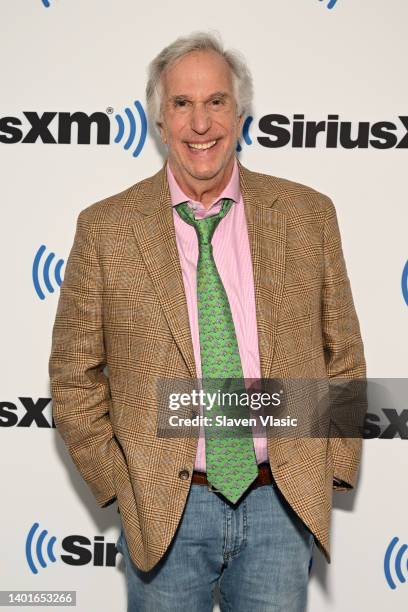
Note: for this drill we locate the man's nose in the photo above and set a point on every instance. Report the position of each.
(200, 119)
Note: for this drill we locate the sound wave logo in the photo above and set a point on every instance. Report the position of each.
(42, 270)
(404, 283)
(133, 135)
(245, 133)
(331, 4)
(34, 550)
(398, 563)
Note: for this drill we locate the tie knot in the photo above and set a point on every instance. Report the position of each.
(205, 228)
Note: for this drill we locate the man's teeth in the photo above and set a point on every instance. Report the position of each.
(202, 145)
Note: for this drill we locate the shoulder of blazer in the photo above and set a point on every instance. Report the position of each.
(290, 196)
(120, 207)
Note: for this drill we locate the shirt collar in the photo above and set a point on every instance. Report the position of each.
(231, 191)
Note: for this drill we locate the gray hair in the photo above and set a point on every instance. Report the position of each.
(197, 41)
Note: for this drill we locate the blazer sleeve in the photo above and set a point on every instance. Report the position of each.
(344, 355)
(80, 390)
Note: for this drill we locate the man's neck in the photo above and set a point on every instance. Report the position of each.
(205, 191)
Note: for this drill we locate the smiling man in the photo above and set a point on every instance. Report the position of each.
(206, 270)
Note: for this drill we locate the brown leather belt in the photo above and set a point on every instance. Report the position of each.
(264, 477)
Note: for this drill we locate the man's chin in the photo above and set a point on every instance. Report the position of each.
(206, 173)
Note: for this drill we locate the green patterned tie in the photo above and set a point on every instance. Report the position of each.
(230, 456)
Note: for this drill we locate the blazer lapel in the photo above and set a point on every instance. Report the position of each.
(156, 237)
(267, 239)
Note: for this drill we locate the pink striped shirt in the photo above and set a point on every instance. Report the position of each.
(233, 260)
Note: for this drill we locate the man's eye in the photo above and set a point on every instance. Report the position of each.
(217, 102)
(180, 103)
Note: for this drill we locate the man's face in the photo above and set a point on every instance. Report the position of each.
(199, 117)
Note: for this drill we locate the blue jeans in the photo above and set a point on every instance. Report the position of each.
(258, 551)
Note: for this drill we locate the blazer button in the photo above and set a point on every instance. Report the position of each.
(184, 474)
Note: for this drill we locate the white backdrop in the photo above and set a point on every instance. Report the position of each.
(88, 55)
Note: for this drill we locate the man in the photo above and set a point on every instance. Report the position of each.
(143, 269)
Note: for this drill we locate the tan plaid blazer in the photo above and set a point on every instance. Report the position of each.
(122, 304)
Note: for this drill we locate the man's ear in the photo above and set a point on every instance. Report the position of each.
(162, 132)
(239, 125)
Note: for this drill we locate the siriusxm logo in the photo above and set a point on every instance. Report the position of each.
(245, 132)
(331, 4)
(41, 271)
(58, 128)
(39, 550)
(133, 136)
(46, 3)
(404, 283)
(280, 131)
(387, 425)
(30, 412)
(396, 563)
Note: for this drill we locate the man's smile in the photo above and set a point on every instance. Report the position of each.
(202, 147)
